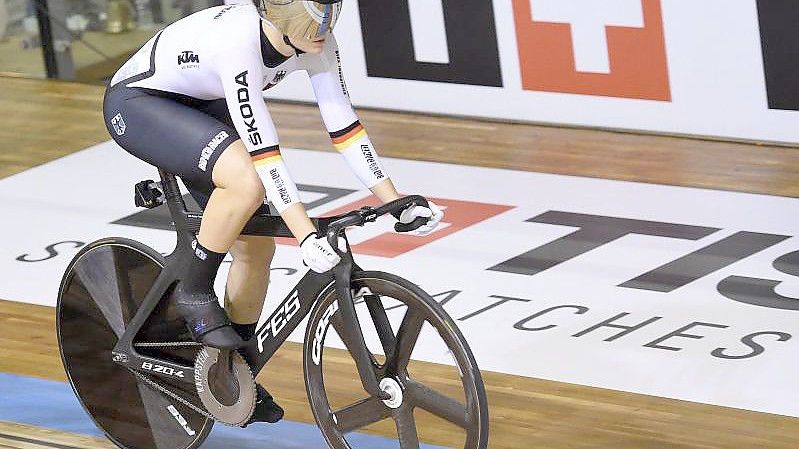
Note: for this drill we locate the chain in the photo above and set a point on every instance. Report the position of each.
(174, 396)
(160, 388)
(167, 344)
(156, 386)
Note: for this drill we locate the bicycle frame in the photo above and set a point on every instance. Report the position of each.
(287, 316)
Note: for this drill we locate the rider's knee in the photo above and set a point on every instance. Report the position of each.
(253, 251)
(234, 172)
(247, 189)
(251, 191)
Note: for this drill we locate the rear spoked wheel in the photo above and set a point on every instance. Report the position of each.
(441, 388)
(100, 292)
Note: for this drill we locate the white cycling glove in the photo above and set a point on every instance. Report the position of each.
(318, 255)
(433, 213)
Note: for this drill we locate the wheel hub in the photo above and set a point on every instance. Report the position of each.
(393, 388)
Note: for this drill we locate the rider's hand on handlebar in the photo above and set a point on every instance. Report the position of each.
(433, 214)
(317, 253)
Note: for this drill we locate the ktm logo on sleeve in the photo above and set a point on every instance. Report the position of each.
(612, 48)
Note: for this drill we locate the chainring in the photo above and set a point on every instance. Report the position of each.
(242, 409)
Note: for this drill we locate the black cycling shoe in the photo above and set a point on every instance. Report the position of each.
(206, 319)
(266, 409)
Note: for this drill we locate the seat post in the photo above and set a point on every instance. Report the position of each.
(177, 208)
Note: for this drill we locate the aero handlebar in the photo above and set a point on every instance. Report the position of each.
(369, 214)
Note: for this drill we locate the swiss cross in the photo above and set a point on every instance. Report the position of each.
(588, 20)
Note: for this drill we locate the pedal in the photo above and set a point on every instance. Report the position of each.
(146, 194)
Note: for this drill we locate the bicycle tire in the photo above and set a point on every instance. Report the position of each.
(101, 290)
(334, 424)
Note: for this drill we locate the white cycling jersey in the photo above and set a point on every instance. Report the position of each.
(222, 52)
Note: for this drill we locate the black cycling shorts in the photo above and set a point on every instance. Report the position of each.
(179, 134)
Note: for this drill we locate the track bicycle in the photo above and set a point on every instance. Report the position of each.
(136, 371)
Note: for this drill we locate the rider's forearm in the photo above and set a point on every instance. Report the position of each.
(297, 220)
(385, 190)
(353, 143)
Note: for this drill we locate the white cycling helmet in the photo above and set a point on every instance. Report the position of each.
(308, 18)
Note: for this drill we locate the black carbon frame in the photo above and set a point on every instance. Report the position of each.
(287, 316)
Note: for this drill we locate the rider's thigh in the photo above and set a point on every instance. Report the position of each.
(253, 250)
(168, 131)
(234, 170)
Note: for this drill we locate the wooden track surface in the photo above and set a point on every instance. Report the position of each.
(44, 120)
(525, 413)
(20, 436)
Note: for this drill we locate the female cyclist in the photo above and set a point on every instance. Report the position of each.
(190, 101)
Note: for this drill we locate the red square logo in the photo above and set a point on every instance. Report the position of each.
(613, 48)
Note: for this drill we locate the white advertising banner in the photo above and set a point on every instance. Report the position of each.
(669, 291)
(721, 68)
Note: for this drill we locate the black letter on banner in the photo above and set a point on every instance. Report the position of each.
(50, 251)
(760, 292)
(471, 37)
(448, 295)
(521, 325)
(700, 263)
(679, 333)
(503, 300)
(778, 19)
(609, 323)
(749, 341)
(595, 231)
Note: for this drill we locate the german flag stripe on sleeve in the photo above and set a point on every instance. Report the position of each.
(346, 137)
(266, 155)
